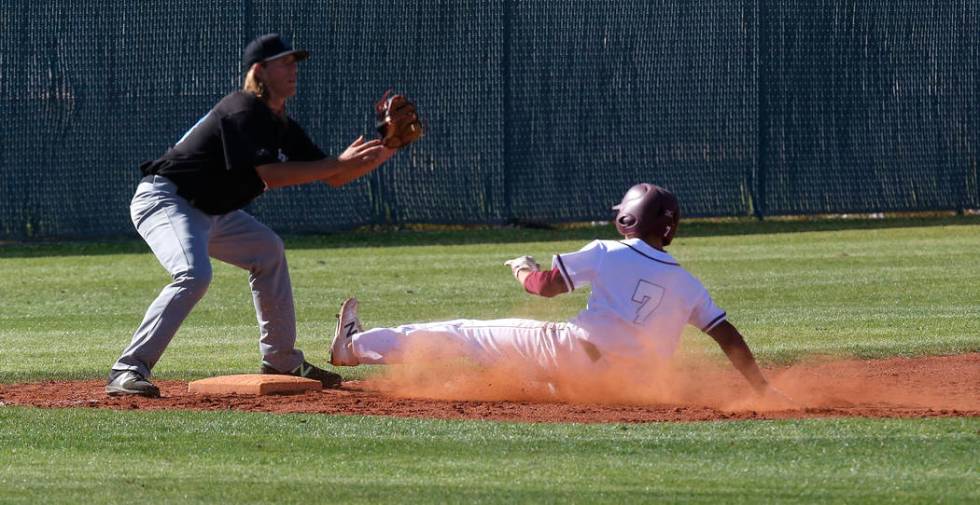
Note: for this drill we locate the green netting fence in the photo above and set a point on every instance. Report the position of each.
(538, 110)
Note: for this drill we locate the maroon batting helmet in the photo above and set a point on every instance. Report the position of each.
(648, 209)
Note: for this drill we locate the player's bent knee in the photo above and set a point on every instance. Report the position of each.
(195, 282)
(270, 250)
(276, 246)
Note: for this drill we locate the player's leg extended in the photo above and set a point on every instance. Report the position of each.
(241, 240)
(177, 234)
(535, 343)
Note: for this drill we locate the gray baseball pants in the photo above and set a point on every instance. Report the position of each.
(183, 238)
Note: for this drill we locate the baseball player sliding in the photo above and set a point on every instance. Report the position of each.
(641, 299)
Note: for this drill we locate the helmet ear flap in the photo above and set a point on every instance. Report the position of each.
(626, 223)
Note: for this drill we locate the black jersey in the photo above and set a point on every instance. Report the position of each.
(213, 164)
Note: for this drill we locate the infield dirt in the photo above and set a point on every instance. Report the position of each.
(689, 390)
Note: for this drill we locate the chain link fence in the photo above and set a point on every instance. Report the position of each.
(538, 110)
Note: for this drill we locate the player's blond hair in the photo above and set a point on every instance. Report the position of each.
(253, 84)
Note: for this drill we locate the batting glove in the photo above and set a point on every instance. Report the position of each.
(523, 263)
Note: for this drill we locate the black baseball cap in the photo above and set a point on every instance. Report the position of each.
(269, 47)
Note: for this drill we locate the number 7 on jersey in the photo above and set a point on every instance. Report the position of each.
(648, 296)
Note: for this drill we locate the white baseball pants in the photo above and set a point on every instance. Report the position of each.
(548, 347)
(183, 238)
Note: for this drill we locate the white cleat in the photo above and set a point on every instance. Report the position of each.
(348, 324)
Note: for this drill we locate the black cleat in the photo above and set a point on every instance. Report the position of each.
(128, 382)
(327, 379)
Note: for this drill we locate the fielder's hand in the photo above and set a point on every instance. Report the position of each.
(523, 263)
(361, 157)
(363, 153)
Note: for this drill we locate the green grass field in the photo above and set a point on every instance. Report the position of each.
(795, 288)
(124, 457)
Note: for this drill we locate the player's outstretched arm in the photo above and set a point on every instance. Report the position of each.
(360, 158)
(738, 352)
(528, 274)
(740, 355)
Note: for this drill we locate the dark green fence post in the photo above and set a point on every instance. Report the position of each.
(759, 199)
(508, 215)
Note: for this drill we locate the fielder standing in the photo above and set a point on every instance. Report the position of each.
(640, 301)
(188, 209)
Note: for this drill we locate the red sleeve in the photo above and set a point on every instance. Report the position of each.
(546, 284)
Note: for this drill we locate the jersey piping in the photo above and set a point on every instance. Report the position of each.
(645, 255)
(564, 274)
(714, 322)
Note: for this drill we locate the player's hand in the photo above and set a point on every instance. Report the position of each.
(522, 263)
(363, 154)
(358, 159)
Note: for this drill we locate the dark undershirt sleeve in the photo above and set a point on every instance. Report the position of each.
(545, 284)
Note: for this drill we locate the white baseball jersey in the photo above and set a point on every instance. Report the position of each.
(641, 298)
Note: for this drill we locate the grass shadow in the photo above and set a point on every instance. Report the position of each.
(449, 235)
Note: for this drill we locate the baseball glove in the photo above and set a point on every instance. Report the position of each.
(398, 121)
